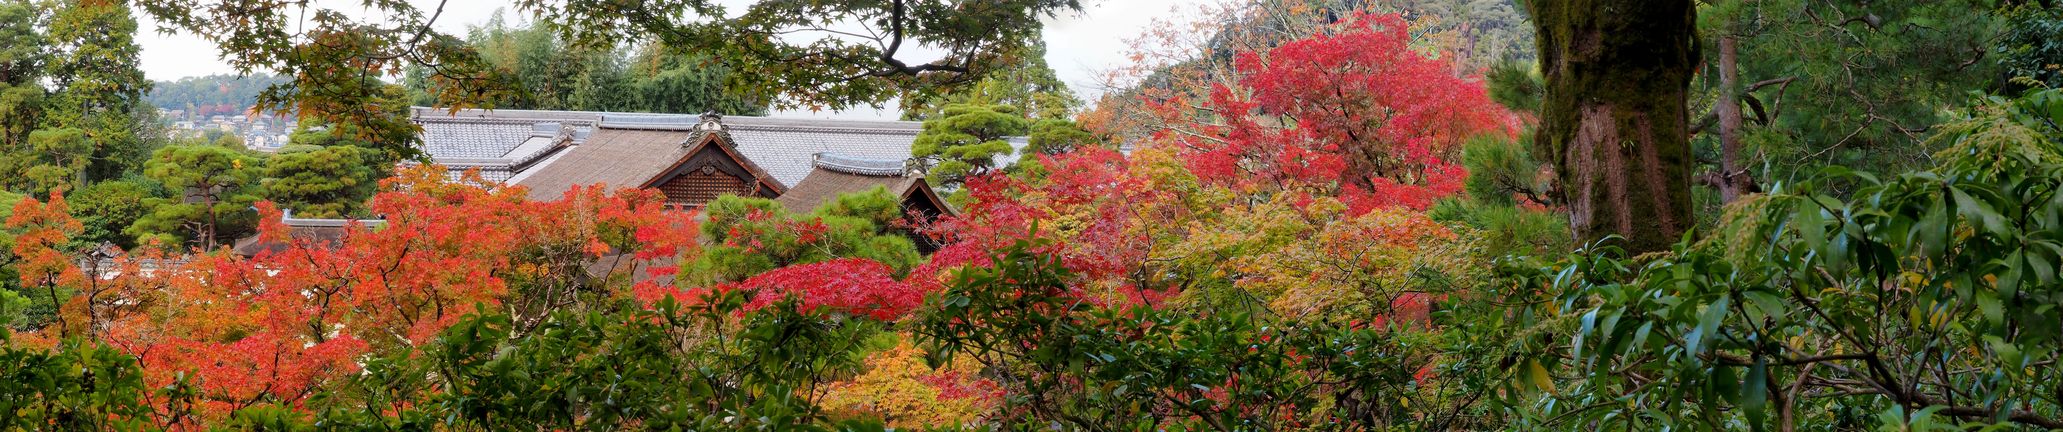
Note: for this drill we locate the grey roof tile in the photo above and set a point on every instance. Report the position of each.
(472, 139)
(785, 148)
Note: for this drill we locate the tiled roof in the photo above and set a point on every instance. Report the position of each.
(862, 165)
(787, 152)
(839, 174)
(631, 148)
(614, 158)
(825, 185)
(327, 233)
(628, 149)
(472, 138)
(502, 149)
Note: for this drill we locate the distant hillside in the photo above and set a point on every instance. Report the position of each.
(210, 95)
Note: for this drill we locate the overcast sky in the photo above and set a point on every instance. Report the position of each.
(1078, 47)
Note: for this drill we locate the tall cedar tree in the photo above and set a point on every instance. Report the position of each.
(1615, 119)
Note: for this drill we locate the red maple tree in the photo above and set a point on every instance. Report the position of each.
(1355, 110)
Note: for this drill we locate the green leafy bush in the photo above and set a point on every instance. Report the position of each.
(1925, 298)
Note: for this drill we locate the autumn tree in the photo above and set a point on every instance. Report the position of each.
(1614, 117)
(901, 389)
(200, 331)
(40, 232)
(1187, 54)
(1355, 113)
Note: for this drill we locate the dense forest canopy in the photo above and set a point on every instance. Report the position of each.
(1433, 215)
(210, 95)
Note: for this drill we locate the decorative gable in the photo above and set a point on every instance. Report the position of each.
(700, 185)
(712, 168)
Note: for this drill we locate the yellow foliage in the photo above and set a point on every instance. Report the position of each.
(899, 388)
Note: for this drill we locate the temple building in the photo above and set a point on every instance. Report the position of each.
(802, 163)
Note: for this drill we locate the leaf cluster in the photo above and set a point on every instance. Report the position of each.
(1927, 297)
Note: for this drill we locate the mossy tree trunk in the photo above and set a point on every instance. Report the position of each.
(1615, 117)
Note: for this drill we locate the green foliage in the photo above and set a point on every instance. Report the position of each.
(21, 45)
(1056, 136)
(670, 81)
(1928, 297)
(212, 189)
(1507, 193)
(87, 125)
(106, 209)
(99, 86)
(13, 304)
(75, 386)
(96, 71)
(20, 104)
(1838, 84)
(658, 368)
(49, 159)
(550, 73)
(876, 205)
(379, 122)
(1505, 229)
(321, 181)
(750, 236)
(1517, 86)
(1084, 366)
(818, 54)
(334, 56)
(1502, 170)
(2032, 46)
(1029, 85)
(22, 57)
(966, 141)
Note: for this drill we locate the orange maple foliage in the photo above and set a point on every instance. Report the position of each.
(273, 328)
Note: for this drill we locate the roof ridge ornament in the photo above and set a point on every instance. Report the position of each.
(712, 123)
(916, 167)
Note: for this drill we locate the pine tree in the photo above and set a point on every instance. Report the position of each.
(966, 140)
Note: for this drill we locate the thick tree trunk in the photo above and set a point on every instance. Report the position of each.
(1615, 119)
